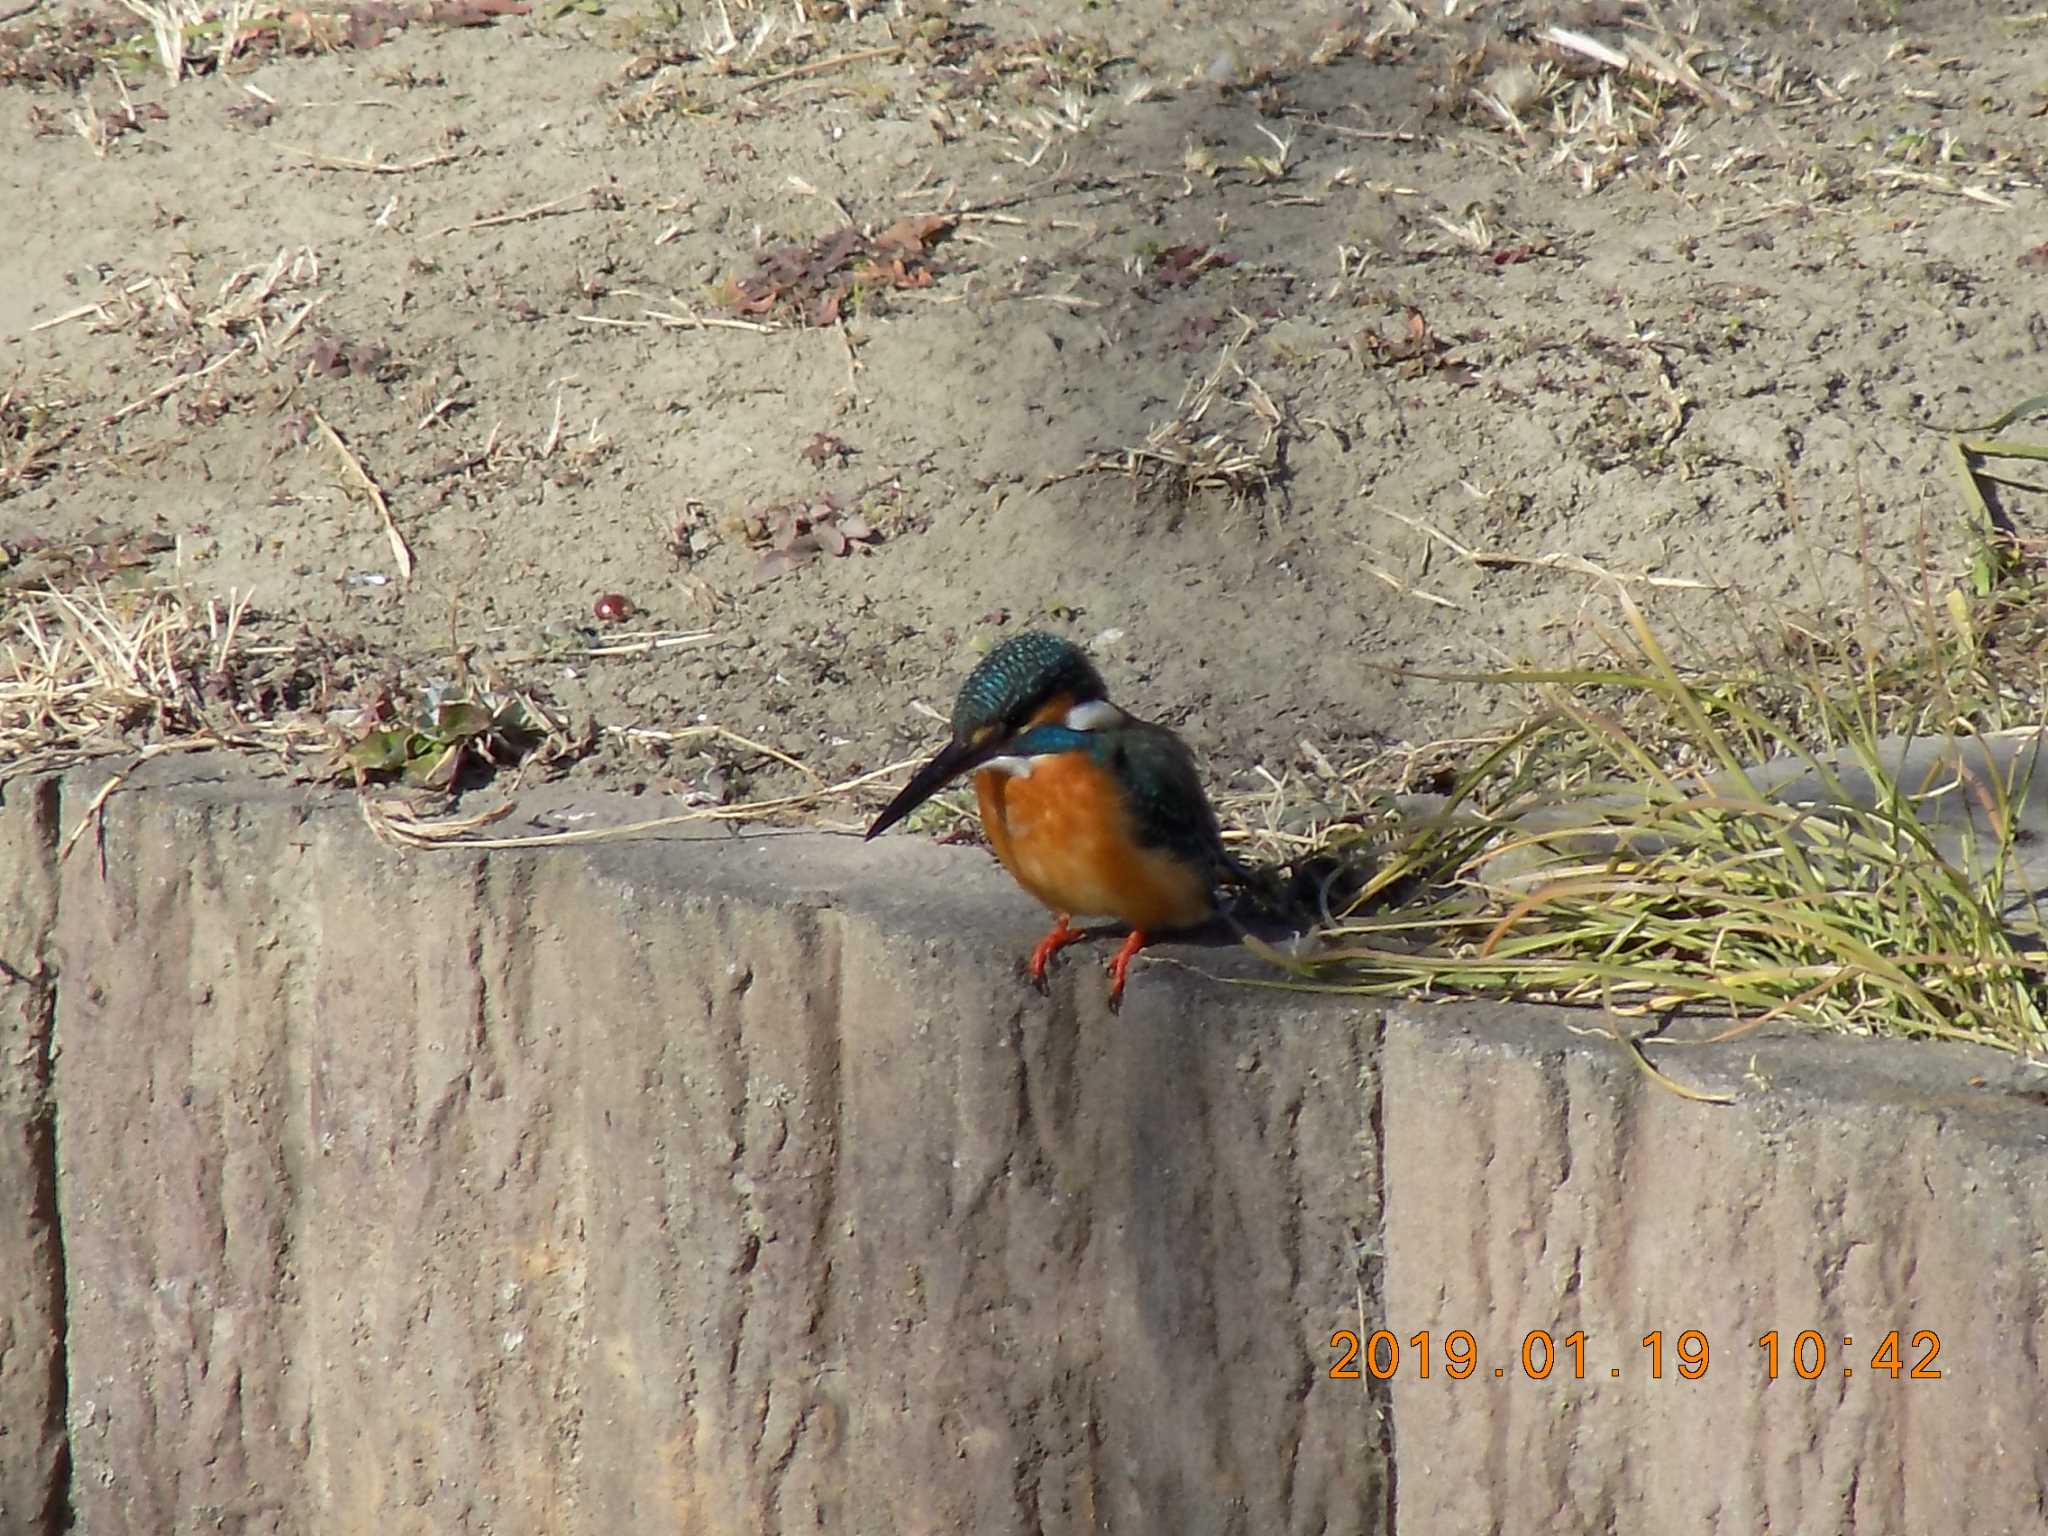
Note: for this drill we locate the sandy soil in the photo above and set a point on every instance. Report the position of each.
(1236, 342)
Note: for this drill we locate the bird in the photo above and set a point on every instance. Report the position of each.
(1096, 813)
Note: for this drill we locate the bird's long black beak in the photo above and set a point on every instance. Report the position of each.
(956, 758)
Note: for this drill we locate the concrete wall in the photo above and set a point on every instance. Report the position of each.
(34, 1471)
(739, 1184)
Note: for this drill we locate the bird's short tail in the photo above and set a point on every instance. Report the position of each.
(1316, 894)
(1266, 895)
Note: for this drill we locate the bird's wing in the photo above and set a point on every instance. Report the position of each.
(1164, 793)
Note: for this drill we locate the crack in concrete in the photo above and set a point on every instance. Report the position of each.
(1295, 1200)
(46, 821)
(57, 1513)
(1380, 1393)
(821, 936)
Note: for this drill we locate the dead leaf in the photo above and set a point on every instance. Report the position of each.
(813, 281)
(914, 233)
(1194, 331)
(1179, 265)
(823, 446)
(472, 13)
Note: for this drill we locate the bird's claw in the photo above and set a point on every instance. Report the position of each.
(1063, 934)
(1120, 969)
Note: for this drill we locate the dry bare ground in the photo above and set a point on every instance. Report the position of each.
(1282, 356)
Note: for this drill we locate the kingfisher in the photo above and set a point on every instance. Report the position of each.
(1093, 811)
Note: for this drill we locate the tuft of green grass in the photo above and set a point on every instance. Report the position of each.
(1849, 840)
(2002, 551)
(1875, 889)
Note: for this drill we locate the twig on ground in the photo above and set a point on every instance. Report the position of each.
(171, 387)
(90, 816)
(400, 551)
(399, 823)
(1407, 589)
(687, 322)
(537, 211)
(820, 66)
(1556, 560)
(318, 161)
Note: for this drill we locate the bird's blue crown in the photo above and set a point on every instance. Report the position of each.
(1019, 675)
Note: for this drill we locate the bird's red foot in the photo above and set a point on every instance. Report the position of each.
(1120, 967)
(1063, 934)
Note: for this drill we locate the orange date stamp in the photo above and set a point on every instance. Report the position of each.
(1807, 1355)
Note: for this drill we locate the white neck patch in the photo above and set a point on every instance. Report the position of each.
(1094, 716)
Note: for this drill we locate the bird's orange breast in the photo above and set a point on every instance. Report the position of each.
(1063, 831)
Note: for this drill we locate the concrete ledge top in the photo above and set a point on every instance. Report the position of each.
(959, 897)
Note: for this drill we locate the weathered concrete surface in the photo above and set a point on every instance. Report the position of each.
(1535, 1182)
(727, 1184)
(32, 1470)
(709, 1185)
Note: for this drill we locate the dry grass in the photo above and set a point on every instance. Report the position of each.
(1627, 99)
(93, 672)
(698, 57)
(1185, 455)
(177, 24)
(197, 339)
(196, 37)
(1625, 850)
(96, 672)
